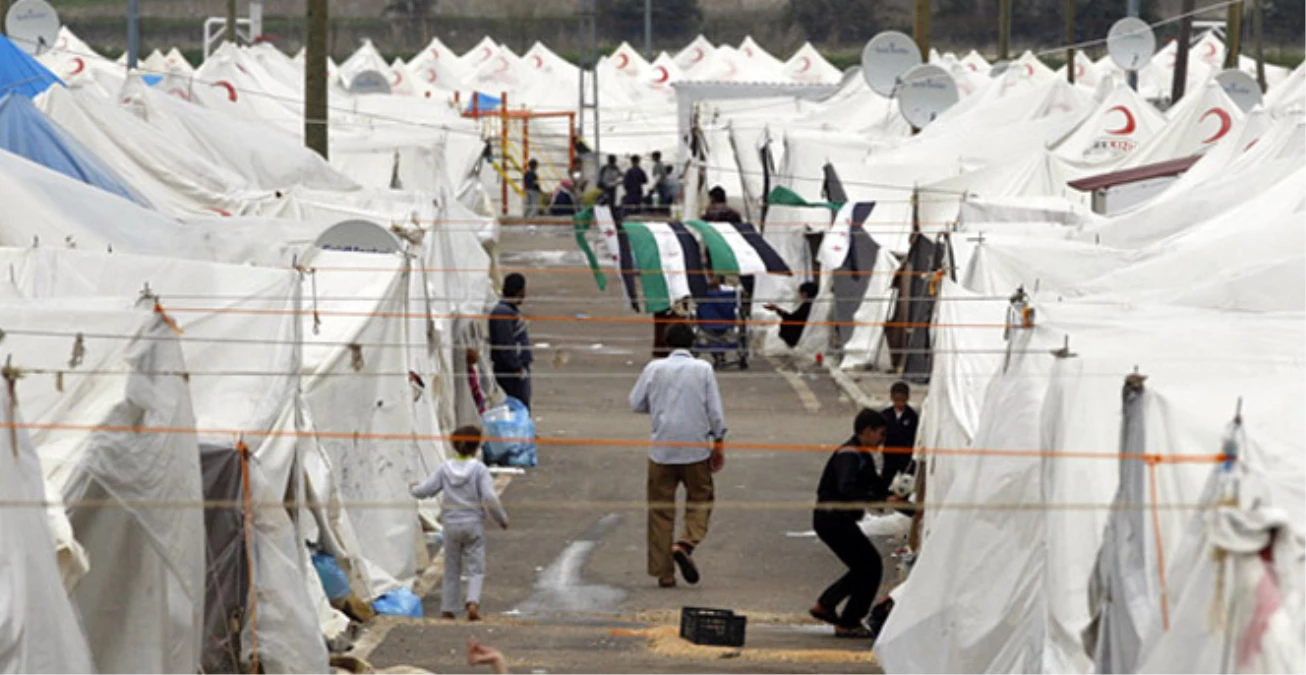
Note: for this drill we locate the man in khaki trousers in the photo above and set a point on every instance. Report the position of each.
(680, 393)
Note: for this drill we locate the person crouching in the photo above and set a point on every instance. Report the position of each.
(467, 495)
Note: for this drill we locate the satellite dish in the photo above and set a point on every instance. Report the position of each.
(1241, 88)
(885, 58)
(999, 68)
(369, 82)
(33, 25)
(360, 236)
(926, 91)
(1131, 43)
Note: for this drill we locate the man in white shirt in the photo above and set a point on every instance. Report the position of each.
(688, 446)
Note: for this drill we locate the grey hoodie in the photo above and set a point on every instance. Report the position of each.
(468, 492)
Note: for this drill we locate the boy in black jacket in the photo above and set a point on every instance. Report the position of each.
(850, 479)
(901, 436)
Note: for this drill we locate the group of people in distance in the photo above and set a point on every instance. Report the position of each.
(639, 191)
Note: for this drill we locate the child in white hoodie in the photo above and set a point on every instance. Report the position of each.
(468, 494)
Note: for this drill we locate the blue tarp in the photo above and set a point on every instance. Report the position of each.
(483, 103)
(20, 73)
(26, 132)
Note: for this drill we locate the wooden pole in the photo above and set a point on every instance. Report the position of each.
(1258, 36)
(1070, 40)
(1004, 30)
(315, 79)
(4, 12)
(231, 20)
(921, 29)
(1181, 50)
(1233, 35)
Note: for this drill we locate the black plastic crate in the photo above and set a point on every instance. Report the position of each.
(715, 627)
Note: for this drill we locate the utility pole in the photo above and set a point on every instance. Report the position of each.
(1070, 40)
(921, 29)
(1131, 9)
(648, 30)
(315, 79)
(4, 13)
(133, 33)
(1234, 35)
(1181, 50)
(231, 20)
(1004, 30)
(1258, 35)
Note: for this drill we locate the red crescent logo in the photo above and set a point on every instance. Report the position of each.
(1029, 69)
(179, 93)
(539, 61)
(231, 91)
(807, 64)
(698, 54)
(503, 68)
(623, 61)
(748, 51)
(1226, 123)
(973, 68)
(1130, 124)
(399, 77)
(434, 53)
(430, 74)
(487, 52)
(1210, 49)
(664, 76)
(1079, 70)
(79, 65)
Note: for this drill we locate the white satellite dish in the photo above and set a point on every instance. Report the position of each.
(1131, 43)
(1241, 88)
(359, 236)
(369, 82)
(926, 91)
(885, 58)
(33, 25)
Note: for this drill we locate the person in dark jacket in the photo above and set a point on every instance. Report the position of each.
(849, 480)
(901, 437)
(793, 323)
(510, 344)
(634, 183)
(718, 211)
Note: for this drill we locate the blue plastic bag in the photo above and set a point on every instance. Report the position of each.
(399, 602)
(512, 433)
(334, 581)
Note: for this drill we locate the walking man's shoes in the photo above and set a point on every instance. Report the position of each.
(685, 562)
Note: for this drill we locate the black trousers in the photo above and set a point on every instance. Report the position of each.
(865, 568)
(516, 386)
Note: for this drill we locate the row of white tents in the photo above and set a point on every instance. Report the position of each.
(1112, 449)
(209, 379)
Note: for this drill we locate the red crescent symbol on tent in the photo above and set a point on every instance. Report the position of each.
(664, 76)
(1029, 69)
(748, 51)
(807, 64)
(179, 93)
(430, 74)
(1210, 49)
(539, 61)
(1130, 124)
(623, 61)
(399, 77)
(488, 53)
(973, 68)
(435, 54)
(231, 91)
(698, 54)
(1226, 123)
(1079, 70)
(79, 65)
(504, 67)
